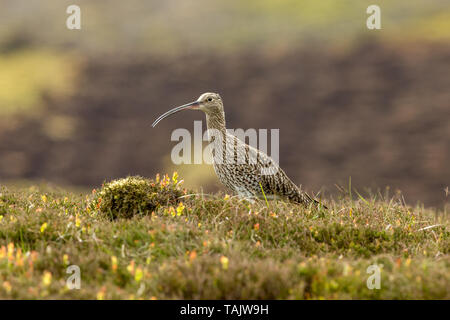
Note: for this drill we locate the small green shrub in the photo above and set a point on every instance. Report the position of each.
(125, 198)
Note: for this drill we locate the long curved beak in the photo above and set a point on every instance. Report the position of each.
(192, 105)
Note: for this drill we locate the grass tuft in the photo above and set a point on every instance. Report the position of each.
(125, 198)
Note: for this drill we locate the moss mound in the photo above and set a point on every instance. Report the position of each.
(125, 198)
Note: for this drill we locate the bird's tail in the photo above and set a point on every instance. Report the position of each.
(303, 198)
(317, 203)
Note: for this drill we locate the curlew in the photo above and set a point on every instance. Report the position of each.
(242, 168)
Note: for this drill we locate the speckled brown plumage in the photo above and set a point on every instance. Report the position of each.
(243, 169)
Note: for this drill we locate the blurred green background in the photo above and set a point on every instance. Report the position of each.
(76, 105)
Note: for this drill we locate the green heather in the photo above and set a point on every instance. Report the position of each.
(137, 238)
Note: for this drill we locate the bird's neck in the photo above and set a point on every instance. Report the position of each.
(216, 121)
(217, 133)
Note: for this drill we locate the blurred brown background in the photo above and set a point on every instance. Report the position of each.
(76, 105)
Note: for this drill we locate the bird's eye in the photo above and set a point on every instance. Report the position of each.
(209, 99)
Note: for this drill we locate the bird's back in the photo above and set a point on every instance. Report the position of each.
(249, 171)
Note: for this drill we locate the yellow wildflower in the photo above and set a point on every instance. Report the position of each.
(130, 267)
(77, 221)
(19, 260)
(114, 263)
(224, 261)
(175, 177)
(43, 227)
(180, 209)
(138, 274)
(101, 294)
(408, 262)
(11, 251)
(47, 278)
(66, 259)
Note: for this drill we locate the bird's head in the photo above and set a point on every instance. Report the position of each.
(210, 103)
